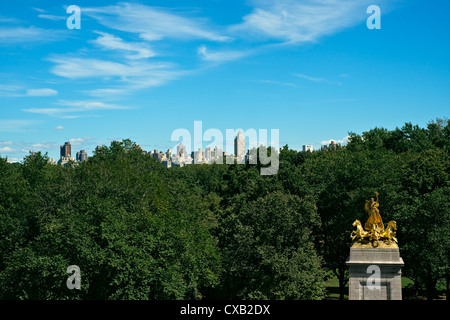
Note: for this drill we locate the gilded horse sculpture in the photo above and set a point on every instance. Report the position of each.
(374, 228)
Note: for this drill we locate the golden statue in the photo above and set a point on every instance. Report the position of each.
(374, 230)
(359, 232)
(374, 221)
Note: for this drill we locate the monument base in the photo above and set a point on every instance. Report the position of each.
(374, 273)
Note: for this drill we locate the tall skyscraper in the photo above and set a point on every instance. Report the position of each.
(239, 146)
(181, 150)
(307, 148)
(208, 154)
(81, 156)
(66, 150)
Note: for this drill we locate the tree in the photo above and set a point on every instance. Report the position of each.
(134, 233)
(268, 252)
(423, 215)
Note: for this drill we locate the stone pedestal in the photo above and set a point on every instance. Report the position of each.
(375, 273)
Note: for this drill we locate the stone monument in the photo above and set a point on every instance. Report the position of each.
(374, 262)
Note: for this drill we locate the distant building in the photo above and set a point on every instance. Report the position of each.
(332, 146)
(308, 148)
(197, 156)
(217, 155)
(65, 160)
(181, 150)
(239, 147)
(81, 156)
(169, 155)
(208, 156)
(166, 163)
(66, 150)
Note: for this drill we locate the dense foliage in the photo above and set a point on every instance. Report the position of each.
(138, 230)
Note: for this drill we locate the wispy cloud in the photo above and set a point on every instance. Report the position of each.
(153, 23)
(294, 22)
(13, 35)
(108, 92)
(122, 77)
(7, 150)
(20, 91)
(316, 79)
(75, 109)
(14, 125)
(52, 17)
(313, 79)
(220, 56)
(45, 92)
(59, 128)
(111, 42)
(80, 141)
(279, 83)
(80, 67)
(43, 146)
(7, 90)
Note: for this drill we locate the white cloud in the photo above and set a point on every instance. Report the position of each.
(77, 68)
(7, 150)
(7, 90)
(123, 77)
(59, 128)
(14, 160)
(19, 91)
(79, 141)
(10, 35)
(153, 23)
(304, 76)
(6, 143)
(45, 92)
(52, 17)
(43, 146)
(106, 92)
(341, 141)
(316, 79)
(285, 84)
(111, 42)
(220, 56)
(14, 125)
(86, 105)
(291, 21)
(72, 109)
(38, 9)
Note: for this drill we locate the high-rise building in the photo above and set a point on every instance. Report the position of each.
(169, 154)
(307, 148)
(66, 150)
(181, 150)
(208, 156)
(239, 146)
(81, 156)
(197, 156)
(218, 155)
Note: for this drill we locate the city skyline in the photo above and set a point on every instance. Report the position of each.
(140, 70)
(179, 156)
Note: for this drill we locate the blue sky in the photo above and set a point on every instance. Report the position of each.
(142, 69)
